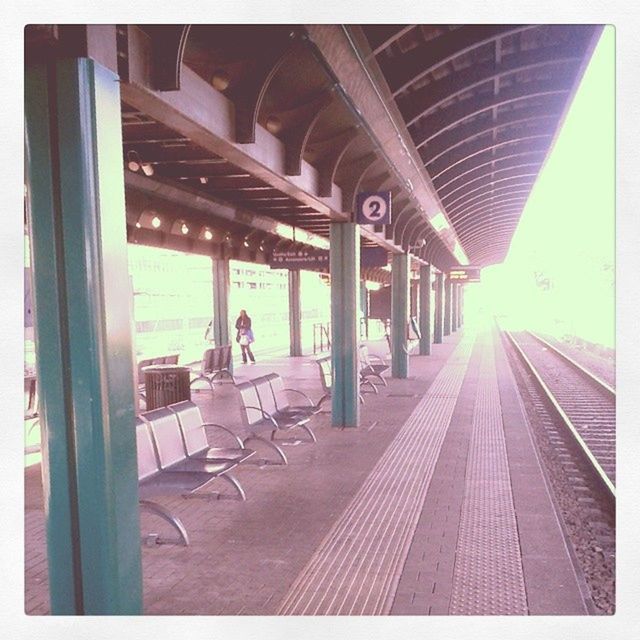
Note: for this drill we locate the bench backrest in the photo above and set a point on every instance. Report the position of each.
(192, 426)
(167, 436)
(207, 360)
(147, 460)
(277, 389)
(249, 397)
(324, 365)
(364, 356)
(225, 356)
(172, 359)
(267, 399)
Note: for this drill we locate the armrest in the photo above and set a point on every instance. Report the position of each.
(265, 415)
(219, 426)
(303, 394)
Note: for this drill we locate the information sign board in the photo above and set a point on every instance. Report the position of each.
(465, 274)
(373, 207)
(307, 258)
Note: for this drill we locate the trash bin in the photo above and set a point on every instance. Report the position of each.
(166, 384)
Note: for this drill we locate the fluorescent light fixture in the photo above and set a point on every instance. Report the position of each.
(147, 169)
(439, 222)
(459, 253)
(184, 228)
(208, 235)
(156, 222)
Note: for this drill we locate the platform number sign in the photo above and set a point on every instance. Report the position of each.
(373, 208)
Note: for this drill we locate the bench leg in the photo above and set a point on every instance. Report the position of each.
(311, 434)
(205, 378)
(271, 445)
(221, 373)
(232, 480)
(166, 515)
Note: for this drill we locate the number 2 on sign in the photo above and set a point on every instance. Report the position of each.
(374, 208)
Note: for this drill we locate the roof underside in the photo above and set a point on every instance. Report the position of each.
(483, 105)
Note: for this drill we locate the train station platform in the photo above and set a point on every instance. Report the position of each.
(435, 505)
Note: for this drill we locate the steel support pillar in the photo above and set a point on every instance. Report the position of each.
(454, 306)
(446, 326)
(76, 212)
(221, 288)
(295, 316)
(461, 307)
(345, 281)
(399, 314)
(424, 317)
(437, 320)
(364, 309)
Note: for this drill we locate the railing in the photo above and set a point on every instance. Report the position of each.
(321, 337)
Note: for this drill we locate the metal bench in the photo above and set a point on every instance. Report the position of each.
(153, 482)
(216, 363)
(326, 379)
(258, 420)
(172, 454)
(286, 420)
(370, 368)
(281, 399)
(196, 441)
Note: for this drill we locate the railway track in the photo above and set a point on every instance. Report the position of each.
(585, 404)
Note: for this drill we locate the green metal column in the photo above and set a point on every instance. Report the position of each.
(345, 281)
(424, 317)
(446, 330)
(399, 315)
(437, 320)
(76, 210)
(454, 306)
(295, 315)
(221, 288)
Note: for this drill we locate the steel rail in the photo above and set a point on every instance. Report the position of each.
(601, 383)
(603, 477)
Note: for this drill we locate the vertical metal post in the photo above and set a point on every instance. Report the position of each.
(76, 215)
(424, 317)
(295, 326)
(221, 288)
(461, 307)
(437, 320)
(446, 330)
(454, 306)
(364, 308)
(399, 314)
(345, 280)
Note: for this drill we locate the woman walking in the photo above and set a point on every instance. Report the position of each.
(244, 337)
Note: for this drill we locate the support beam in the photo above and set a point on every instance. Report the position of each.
(424, 316)
(446, 326)
(345, 280)
(437, 321)
(454, 306)
(221, 289)
(399, 315)
(295, 315)
(461, 307)
(76, 215)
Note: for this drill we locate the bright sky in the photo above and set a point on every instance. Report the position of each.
(566, 236)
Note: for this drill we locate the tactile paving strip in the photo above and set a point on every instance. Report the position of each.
(355, 569)
(488, 577)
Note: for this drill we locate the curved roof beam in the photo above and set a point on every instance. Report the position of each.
(490, 195)
(489, 203)
(489, 219)
(434, 125)
(168, 42)
(493, 175)
(536, 147)
(463, 134)
(511, 209)
(490, 182)
(435, 94)
(406, 69)
(248, 94)
(382, 36)
(484, 146)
